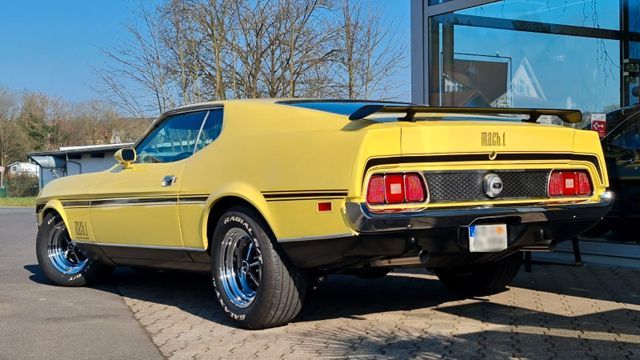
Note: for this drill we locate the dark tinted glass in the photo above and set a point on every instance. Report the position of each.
(629, 136)
(337, 107)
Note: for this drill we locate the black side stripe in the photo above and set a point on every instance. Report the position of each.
(304, 191)
(284, 195)
(484, 157)
(136, 201)
(132, 201)
(304, 195)
(79, 203)
(193, 199)
(305, 198)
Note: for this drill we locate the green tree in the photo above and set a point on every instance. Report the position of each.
(33, 120)
(13, 140)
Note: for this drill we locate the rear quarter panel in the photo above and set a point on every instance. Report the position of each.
(267, 150)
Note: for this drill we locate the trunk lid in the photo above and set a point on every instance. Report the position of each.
(464, 137)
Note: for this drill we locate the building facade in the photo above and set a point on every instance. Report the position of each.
(22, 168)
(582, 54)
(74, 160)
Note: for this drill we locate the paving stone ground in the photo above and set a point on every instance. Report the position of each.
(556, 311)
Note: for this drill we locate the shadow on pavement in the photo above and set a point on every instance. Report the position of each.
(624, 321)
(339, 296)
(507, 343)
(616, 284)
(37, 275)
(190, 292)
(351, 297)
(437, 322)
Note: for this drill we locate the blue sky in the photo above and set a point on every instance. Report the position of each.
(53, 46)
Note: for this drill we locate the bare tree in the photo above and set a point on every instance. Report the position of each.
(215, 27)
(192, 50)
(179, 36)
(369, 53)
(139, 70)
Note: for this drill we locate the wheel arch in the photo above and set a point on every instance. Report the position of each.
(217, 205)
(53, 206)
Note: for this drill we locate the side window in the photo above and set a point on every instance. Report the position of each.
(173, 140)
(629, 136)
(211, 129)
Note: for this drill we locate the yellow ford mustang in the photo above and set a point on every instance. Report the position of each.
(269, 195)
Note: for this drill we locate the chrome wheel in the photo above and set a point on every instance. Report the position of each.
(64, 254)
(240, 267)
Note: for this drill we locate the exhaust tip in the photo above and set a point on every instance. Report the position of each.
(424, 257)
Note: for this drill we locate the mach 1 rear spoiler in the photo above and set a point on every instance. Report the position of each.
(410, 111)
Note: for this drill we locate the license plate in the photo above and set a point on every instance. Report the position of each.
(487, 238)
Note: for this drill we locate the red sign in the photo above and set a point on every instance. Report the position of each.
(599, 124)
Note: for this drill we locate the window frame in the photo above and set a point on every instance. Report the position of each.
(202, 127)
(428, 15)
(180, 111)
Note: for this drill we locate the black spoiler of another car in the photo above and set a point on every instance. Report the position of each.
(569, 116)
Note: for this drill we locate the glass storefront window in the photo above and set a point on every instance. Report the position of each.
(579, 54)
(604, 14)
(634, 15)
(478, 66)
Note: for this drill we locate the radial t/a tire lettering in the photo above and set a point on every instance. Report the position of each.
(61, 260)
(254, 282)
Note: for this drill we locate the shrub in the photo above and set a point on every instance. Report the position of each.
(22, 185)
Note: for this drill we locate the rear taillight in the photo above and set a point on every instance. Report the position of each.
(375, 190)
(584, 184)
(413, 188)
(569, 183)
(395, 189)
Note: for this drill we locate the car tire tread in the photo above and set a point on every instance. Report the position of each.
(282, 287)
(93, 273)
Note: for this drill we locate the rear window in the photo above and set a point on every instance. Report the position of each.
(348, 107)
(340, 107)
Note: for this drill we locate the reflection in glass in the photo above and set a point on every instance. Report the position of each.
(478, 66)
(628, 137)
(588, 13)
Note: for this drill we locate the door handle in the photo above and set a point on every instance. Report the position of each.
(168, 180)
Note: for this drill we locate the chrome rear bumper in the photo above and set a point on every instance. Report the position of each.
(364, 221)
